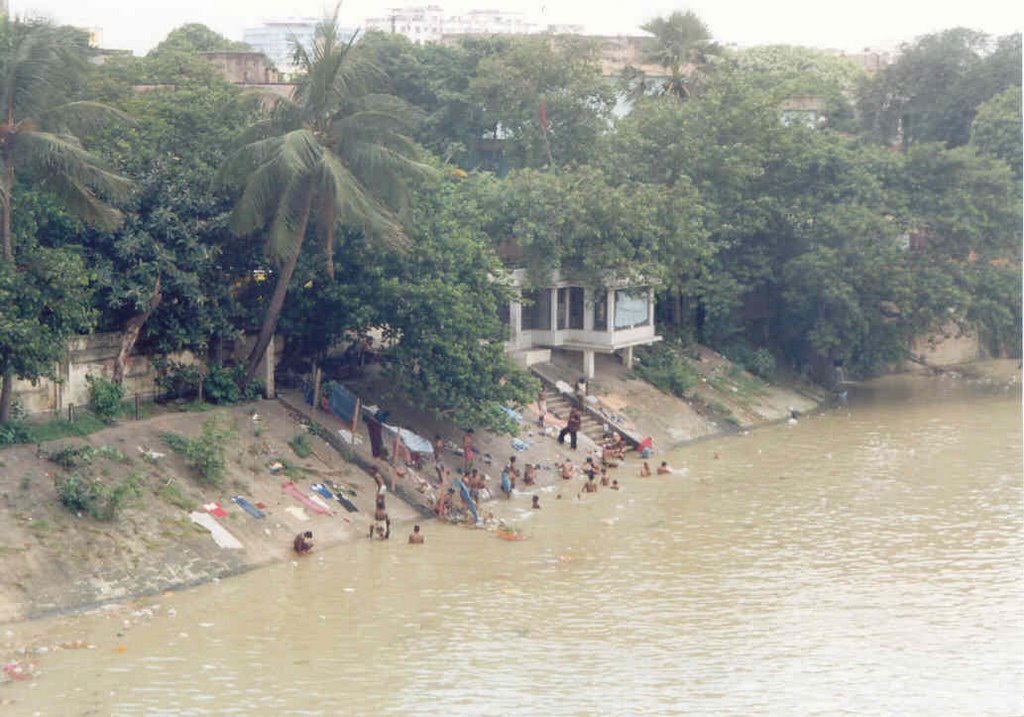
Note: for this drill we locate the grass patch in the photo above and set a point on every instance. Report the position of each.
(84, 424)
(173, 495)
(78, 456)
(665, 368)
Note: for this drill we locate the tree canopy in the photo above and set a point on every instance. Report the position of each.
(398, 185)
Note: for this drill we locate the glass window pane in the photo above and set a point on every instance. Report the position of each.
(630, 309)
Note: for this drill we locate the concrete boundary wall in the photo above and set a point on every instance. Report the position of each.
(95, 354)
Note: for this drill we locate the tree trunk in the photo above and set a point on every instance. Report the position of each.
(276, 303)
(132, 329)
(677, 307)
(6, 395)
(6, 224)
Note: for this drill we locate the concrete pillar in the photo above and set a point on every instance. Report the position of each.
(588, 310)
(627, 357)
(611, 313)
(588, 363)
(554, 312)
(650, 306)
(268, 369)
(515, 322)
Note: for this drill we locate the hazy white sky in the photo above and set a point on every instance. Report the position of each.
(816, 23)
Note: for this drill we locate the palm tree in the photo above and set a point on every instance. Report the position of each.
(40, 67)
(681, 44)
(336, 154)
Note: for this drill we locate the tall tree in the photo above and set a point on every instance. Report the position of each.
(933, 90)
(339, 153)
(41, 67)
(683, 45)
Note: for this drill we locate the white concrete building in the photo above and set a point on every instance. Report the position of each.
(430, 23)
(276, 39)
(565, 314)
(419, 24)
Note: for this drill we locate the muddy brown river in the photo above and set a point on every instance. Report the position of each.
(866, 561)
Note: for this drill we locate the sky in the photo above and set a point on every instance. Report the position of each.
(141, 24)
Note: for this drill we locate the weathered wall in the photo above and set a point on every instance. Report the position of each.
(90, 355)
(948, 347)
(95, 355)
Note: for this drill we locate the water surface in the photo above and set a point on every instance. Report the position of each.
(865, 562)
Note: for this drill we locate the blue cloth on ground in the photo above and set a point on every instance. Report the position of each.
(248, 507)
(519, 445)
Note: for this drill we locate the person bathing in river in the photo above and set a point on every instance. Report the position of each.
(590, 486)
(615, 485)
(303, 543)
(645, 470)
(604, 476)
(567, 469)
(416, 537)
(663, 469)
(382, 532)
(530, 474)
(536, 502)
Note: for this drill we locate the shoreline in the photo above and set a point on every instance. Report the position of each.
(408, 507)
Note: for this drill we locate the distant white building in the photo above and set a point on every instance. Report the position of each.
(276, 39)
(430, 23)
(419, 24)
(490, 22)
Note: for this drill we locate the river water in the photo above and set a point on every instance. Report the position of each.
(866, 561)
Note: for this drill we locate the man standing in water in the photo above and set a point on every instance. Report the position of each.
(416, 537)
(572, 427)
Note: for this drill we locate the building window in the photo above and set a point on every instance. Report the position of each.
(631, 308)
(601, 311)
(536, 310)
(570, 308)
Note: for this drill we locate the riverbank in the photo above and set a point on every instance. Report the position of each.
(54, 560)
(784, 552)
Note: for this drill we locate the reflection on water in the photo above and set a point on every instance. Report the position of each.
(866, 561)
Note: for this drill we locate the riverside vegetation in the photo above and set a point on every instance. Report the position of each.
(192, 211)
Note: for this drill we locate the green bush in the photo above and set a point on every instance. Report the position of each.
(82, 493)
(14, 432)
(300, 444)
(226, 384)
(762, 363)
(665, 368)
(203, 454)
(177, 380)
(105, 397)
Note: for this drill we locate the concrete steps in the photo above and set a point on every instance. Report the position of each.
(559, 405)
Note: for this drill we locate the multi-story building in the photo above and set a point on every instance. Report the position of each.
(430, 23)
(419, 24)
(277, 39)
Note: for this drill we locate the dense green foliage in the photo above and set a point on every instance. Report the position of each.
(105, 397)
(387, 193)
